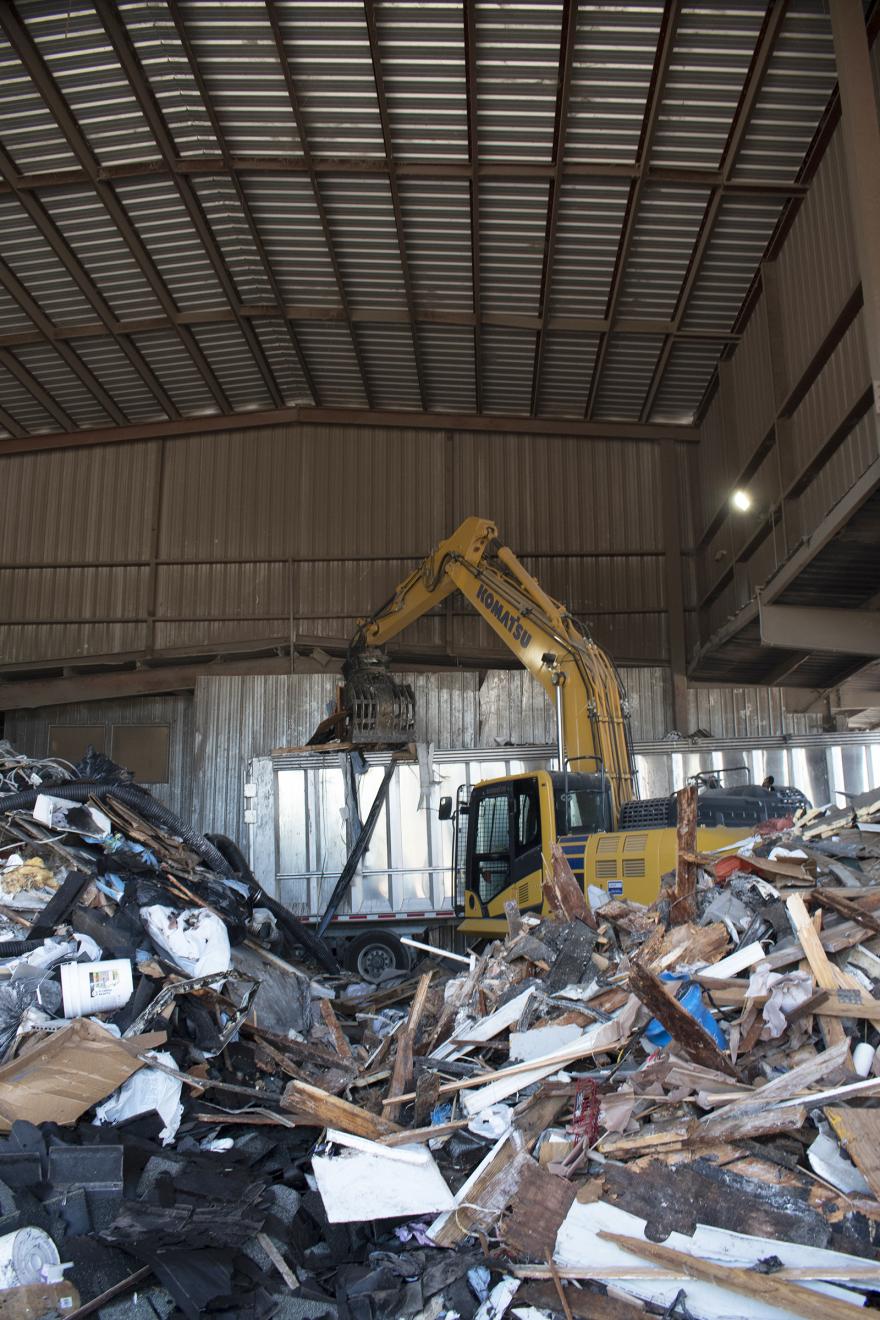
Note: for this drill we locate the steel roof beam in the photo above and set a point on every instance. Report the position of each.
(119, 39)
(8, 422)
(563, 93)
(408, 419)
(473, 176)
(387, 138)
(308, 164)
(46, 333)
(46, 226)
(256, 238)
(31, 59)
(561, 325)
(751, 87)
(36, 390)
(662, 60)
(668, 175)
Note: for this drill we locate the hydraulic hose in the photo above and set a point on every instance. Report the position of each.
(132, 795)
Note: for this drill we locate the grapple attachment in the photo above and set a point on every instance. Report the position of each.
(379, 710)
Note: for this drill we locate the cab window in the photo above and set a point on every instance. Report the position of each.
(492, 844)
(528, 817)
(580, 810)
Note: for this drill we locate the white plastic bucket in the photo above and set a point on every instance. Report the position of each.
(23, 1256)
(863, 1058)
(95, 987)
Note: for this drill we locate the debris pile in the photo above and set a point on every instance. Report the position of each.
(673, 1108)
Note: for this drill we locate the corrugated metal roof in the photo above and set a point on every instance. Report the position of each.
(461, 207)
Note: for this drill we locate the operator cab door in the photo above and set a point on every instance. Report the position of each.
(505, 837)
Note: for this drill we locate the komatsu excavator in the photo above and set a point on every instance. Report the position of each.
(505, 827)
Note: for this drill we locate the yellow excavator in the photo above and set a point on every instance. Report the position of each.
(504, 827)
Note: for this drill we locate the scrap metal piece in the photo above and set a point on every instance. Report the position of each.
(210, 982)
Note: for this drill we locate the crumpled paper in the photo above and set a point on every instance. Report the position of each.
(786, 990)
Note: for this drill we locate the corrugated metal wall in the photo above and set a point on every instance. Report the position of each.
(459, 710)
(242, 536)
(28, 731)
(232, 719)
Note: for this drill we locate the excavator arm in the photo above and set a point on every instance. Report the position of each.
(541, 633)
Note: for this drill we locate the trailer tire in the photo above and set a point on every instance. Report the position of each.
(370, 956)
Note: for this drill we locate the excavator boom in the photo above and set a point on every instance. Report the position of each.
(554, 646)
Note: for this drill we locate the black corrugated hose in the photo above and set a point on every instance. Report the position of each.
(80, 790)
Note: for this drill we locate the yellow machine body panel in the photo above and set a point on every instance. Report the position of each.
(628, 864)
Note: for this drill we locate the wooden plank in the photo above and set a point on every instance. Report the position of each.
(481, 1187)
(331, 1111)
(858, 1131)
(828, 977)
(792, 1083)
(601, 1043)
(764, 1288)
(543, 1200)
(582, 1305)
(693, 1039)
(401, 1076)
(332, 1023)
(846, 908)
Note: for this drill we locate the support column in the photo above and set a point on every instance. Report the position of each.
(861, 143)
(670, 488)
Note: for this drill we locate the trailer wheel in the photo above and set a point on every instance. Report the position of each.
(372, 956)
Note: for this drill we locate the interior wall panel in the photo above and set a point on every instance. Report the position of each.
(818, 269)
(240, 537)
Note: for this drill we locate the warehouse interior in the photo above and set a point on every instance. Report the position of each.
(289, 293)
(289, 290)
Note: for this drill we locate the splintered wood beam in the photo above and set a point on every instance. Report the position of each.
(693, 1039)
(845, 908)
(325, 1110)
(684, 899)
(403, 1063)
(562, 892)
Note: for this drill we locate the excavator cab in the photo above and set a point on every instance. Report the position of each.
(507, 826)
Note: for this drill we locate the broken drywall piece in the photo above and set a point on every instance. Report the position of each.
(475, 1032)
(357, 1185)
(499, 1299)
(735, 962)
(528, 1045)
(829, 1163)
(596, 1039)
(578, 1245)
